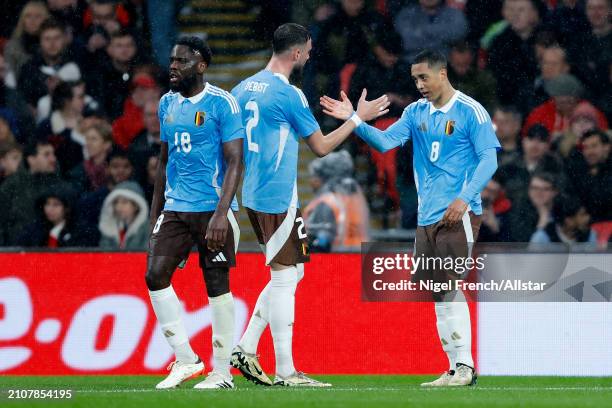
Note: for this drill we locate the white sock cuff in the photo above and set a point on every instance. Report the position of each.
(285, 277)
(220, 300)
(162, 293)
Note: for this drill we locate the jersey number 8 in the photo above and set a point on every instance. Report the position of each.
(435, 151)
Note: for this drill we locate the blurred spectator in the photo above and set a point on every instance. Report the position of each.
(481, 14)
(338, 217)
(131, 122)
(147, 143)
(512, 56)
(13, 108)
(54, 226)
(104, 22)
(25, 41)
(598, 45)
(120, 169)
(40, 75)
(109, 82)
(507, 120)
(384, 73)
(62, 127)
(552, 65)
(148, 184)
(535, 210)
(91, 174)
(70, 13)
(495, 209)
(569, 224)
(44, 109)
(336, 47)
(463, 74)
(19, 192)
(536, 158)
(565, 91)
(124, 218)
(429, 25)
(591, 175)
(6, 133)
(307, 12)
(583, 119)
(569, 24)
(11, 155)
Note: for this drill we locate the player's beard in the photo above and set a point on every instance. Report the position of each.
(297, 74)
(185, 84)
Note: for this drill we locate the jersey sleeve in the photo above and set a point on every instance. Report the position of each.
(231, 120)
(298, 113)
(481, 131)
(396, 135)
(161, 114)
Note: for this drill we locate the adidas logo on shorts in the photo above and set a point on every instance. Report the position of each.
(219, 258)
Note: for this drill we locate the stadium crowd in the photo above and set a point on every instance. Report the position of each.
(80, 83)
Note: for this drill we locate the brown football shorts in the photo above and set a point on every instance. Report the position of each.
(439, 241)
(282, 236)
(175, 233)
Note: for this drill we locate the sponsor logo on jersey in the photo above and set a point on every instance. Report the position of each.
(199, 118)
(449, 128)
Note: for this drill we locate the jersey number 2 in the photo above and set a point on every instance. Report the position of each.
(252, 106)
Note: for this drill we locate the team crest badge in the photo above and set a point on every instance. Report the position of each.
(199, 118)
(449, 128)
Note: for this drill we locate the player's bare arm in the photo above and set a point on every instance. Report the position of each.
(160, 182)
(321, 144)
(218, 225)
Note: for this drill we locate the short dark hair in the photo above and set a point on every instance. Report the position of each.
(31, 148)
(52, 24)
(120, 153)
(123, 32)
(63, 93)
(546, 176)
(510, 109)
(289, 35)
(434, 59)
(197, 45)
(603, 136)
(565, 207)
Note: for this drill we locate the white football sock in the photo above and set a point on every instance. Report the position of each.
(260, 319)
(458, 322)
(281, 313)
(257, 323)
(167, 308)
(445, 334)
(222, 331)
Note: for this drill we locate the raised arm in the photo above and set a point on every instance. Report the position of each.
(321, 144)
(394, 136)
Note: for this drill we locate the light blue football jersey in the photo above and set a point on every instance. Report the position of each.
(195, 129)
(446, 143)
(275, 114)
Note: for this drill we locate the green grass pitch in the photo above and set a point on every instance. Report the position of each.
(348, 391)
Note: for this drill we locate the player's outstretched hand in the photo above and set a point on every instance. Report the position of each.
(338, 109)
(368, 110)
(216, 231)
(454, 212)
